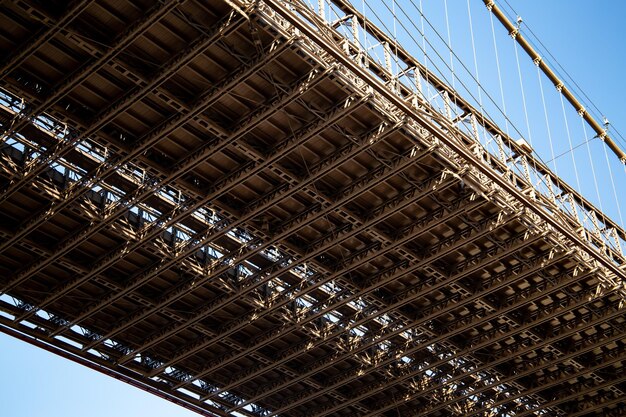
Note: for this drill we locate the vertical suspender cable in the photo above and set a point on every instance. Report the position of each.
(445, 6)
(521, 84)
(395, 35)
(476, 72)
(545, 114)
(571, 146)
(593, 169)
(425, 55)
(495, 47)
(617, 203)
(480, 96)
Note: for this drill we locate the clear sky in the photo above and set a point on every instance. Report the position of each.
(587, 38)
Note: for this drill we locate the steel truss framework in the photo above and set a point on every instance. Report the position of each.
(230, 205)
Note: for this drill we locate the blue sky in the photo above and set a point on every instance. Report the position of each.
(36, 383)
(586, 38)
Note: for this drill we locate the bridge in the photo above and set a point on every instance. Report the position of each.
(235, 206)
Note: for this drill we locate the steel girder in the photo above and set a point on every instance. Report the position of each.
(198, 240)
(99, 174)
(371, 284)
(124, 375)
(177, 213)
(502, 334)
(419, 371)
(420, 321)
(341, 269)
(138, 195)
(223, 28)
(44, 35)
(529, 370)
(304, 344)
(251, 211)
(61, 89)
(559, 377)
(372, 340)
(273, 271)
(107, 168)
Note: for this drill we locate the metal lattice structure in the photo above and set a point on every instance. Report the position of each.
(230, 205)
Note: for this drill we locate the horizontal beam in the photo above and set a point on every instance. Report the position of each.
(23, 52)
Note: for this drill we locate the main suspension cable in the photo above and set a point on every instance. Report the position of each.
(602, 133)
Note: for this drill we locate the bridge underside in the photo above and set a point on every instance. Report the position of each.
(202, 203)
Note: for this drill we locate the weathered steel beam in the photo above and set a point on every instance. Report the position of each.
(427, 314)
(603, 410)
(91, 179)
(415, 293)
(607, 314)
(222, 28)
(255, 208)
(23, 52)
(177, 213)
(314, 341)
(203, 237)
(274, 270)
(148, 140)
(501, 335)
(568, 373)
(151, 16)
(342, 268)
(604, 359)
(574, 394)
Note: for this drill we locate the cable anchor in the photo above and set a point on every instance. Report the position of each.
(604, 134)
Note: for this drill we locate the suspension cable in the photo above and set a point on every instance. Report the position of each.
(617, 203)
(445, 6)
(471, 26)
(571, 146)
(593, 169)
(521, 84)
(565, 92)
(495, 47)
(545, 114)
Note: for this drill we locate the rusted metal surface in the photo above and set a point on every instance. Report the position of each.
(197, 198)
